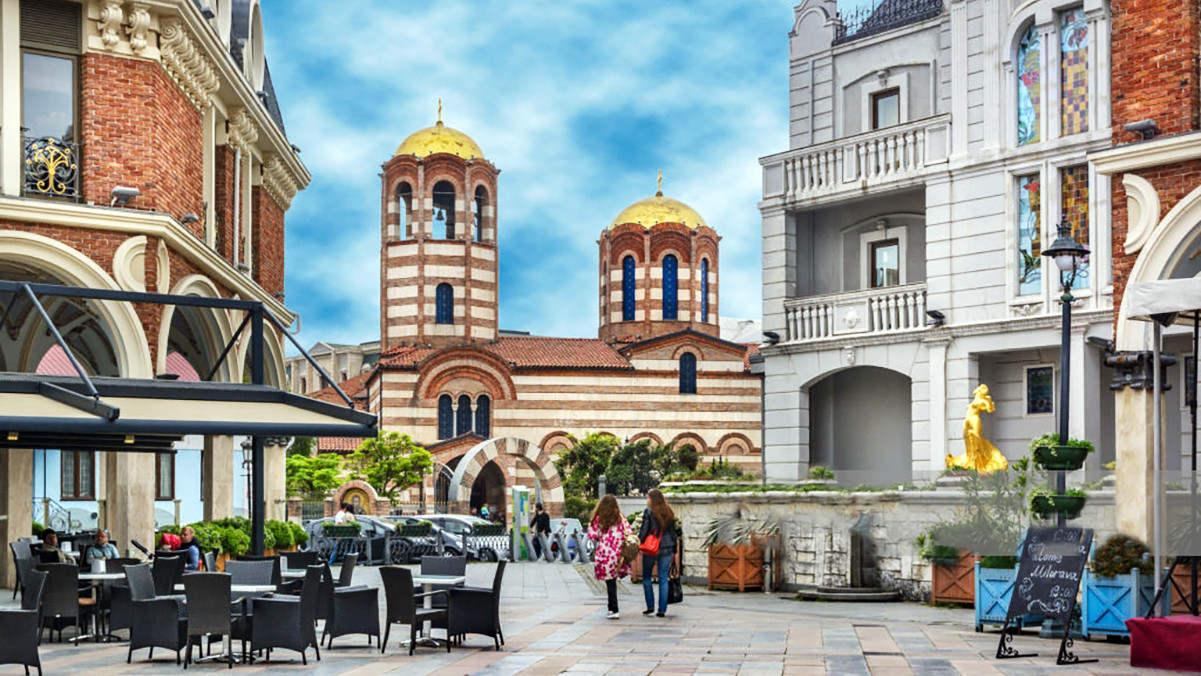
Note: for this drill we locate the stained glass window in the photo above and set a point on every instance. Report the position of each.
(627, 289)
(1073, 71)
(1029, 87)
(483, 415)
(670, 287)
(464, 418)
(688, 373)
(704, 290)
(444, 304)
(1030, 242)
(446, 414)
(1073, 186)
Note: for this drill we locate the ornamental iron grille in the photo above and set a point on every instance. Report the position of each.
(704, 290)
(688, 373)
(670, 287)
(446, 415)
(627, 289)
(463, 418)
(483, 415)
(862, 21)
(51, 168)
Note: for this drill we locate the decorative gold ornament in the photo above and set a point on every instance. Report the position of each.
(979, 454)
(659, 209)
(50, 168)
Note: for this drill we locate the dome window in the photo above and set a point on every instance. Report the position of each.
(444, 207)
(688, 373)
(483, 416)
(481, 201)
(446, 425)
(704, 290)
(627, 289)
(404, 207)
(444, 304)
(463, 417)
(670, 287)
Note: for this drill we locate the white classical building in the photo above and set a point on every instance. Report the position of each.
(933, 149)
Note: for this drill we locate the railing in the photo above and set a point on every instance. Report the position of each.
(893, 308)
(51, 168)
(882, 16)
(851, 163)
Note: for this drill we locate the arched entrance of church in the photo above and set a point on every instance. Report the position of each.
(474, 466)
(489, 490)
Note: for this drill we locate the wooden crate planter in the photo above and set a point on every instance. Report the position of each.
(954, 582)
(737, 567)
(1109, 602)
(1183, 576)
(993, 590)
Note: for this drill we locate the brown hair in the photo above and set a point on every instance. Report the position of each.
(664, 517)
(606, 513)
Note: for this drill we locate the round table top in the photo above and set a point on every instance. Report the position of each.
(95, 577)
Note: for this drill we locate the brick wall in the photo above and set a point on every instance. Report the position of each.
(140, 131)
(1154, 57)
(224, 201)
(268, 239)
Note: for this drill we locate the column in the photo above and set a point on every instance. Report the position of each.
(786, 422)
(217, 487)
(1079, 398)
(937, 350)
(130, 498)
(992, 71)
(275, 490)
(1135, 455)
(12, 177)
(16, 506)
(959, 84)
(779, 268)
(1051, 95)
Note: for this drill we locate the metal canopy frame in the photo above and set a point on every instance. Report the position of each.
(106, 430)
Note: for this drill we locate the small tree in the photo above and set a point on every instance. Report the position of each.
(301, 446)
(582, 465)
(313, 476)
(390, 462)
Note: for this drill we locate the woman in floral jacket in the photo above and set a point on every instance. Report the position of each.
(609, 528)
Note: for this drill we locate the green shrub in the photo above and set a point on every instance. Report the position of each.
(1052, 439)
(37, 529)
(299, 535)
(1006, 562)
(578, 507)
(280, 533)
(1121, 554)
(233, 541)
(821, 473)
(207, 536)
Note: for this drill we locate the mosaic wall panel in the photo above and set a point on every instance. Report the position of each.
(1029, 87)
(1073, 65)
(1073, 184)
(1030, 242)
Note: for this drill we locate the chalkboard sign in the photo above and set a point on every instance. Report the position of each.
(1049, 572)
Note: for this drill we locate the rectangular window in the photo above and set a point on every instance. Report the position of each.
(1073, 71)
(1073, 187)
(1029, 87)
(1029, 260)
(78, 475)
(1040, 390)
(886, 263)
(886, 108)
(164, 476)
(49, 85)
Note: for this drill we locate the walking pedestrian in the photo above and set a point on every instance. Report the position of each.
(658, 538)
(609, 528)
(540, 525)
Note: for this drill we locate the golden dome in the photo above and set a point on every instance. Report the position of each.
(659, 209)
(440, 139)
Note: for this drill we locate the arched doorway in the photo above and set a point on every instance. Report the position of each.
(860, 425)
(489, 489)
(548, 486)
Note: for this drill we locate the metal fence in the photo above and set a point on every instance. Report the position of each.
(882, 16)
(312, 509)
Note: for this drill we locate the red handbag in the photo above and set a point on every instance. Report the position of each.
(650, 546)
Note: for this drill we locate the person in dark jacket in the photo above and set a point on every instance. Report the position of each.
(190, 548)
(539, 525)
(658, 519)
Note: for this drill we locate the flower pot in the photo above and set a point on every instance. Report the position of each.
(954, 582)
(1060, 457)
(1068, 505)
(1109, 602)
(222, 557)
(993, 590)
(735, 566)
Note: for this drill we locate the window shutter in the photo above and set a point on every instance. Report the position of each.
(52, 25)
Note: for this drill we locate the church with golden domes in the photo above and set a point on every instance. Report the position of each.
(493, 407)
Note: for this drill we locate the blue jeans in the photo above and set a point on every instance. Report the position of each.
(648, 564)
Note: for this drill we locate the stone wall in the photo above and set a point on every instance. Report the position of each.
(817, 531)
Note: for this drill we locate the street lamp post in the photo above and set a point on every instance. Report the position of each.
(1068, 254)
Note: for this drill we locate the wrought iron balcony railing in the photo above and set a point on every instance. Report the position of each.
(886, 15)
(51, 168)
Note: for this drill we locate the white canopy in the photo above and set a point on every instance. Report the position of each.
(1167, 300)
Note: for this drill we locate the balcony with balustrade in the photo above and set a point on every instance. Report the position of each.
(895, 157)
(888, 310)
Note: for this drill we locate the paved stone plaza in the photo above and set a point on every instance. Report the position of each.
(554, 621)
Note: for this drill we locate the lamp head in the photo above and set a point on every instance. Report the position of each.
(1065, 250)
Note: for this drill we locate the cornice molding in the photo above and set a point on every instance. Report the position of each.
(243, 132)
(278, 181)
(1143, 154)
(191, 70)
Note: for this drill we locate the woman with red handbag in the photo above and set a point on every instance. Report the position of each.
(609, 528)
(658, 536)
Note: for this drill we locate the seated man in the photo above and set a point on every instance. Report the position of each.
(100, 548)
(50, 553)
(190, 547)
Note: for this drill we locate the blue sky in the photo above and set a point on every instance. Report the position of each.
(578, 102)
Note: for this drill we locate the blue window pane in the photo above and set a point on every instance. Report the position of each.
(444, 304)
(688, 373)
(705, 291)
(627, 289)
(670, 287)
(446, 425)
(463, 419)
(483, 416)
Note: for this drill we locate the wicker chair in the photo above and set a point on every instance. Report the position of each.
(443, 565)
(157, 622)
(167, 572)
(288, 622)
(347, 610)
(346, 573)
(402, 605)
(115, 610)
(275, 561)
(209, 559)
(20, 628)
(299, 560)
(209, 600)
(60, 600)
(250, 572)
(20, 550)
(476, 610)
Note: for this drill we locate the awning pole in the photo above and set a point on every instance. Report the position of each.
(229, 346)
(257, 376)
(1156, 501)
(58, 338)
(309, 358)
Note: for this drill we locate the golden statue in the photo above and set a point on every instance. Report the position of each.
(980, 454)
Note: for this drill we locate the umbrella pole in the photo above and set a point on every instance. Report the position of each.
(1156, 501)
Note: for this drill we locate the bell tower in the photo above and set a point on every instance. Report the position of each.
(438, 262)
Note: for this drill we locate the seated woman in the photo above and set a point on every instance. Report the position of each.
(100, 548)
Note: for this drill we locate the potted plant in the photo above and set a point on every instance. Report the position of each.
(347, 530)
(736, 544)
(1118, 585)
(952, 569)
(994, 578)
(1049, 454)
(1045, 505)
(414, 530)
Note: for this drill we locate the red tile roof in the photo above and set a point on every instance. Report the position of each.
(527, 352)
(338, 444)
(355, 388)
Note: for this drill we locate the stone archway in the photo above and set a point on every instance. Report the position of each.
(549, 488)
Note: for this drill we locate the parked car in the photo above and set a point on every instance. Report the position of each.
(456, 526)
(427, 546)
(376, 531)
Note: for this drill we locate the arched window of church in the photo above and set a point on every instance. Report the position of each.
(444, 208)
(444, 304)
(483, 415)
(446, 415)
(627, 289)
(670, 287)
(704, 290)
(688, 373)
(1029, 87)
(481, 201)
(404, 207)
(463, 418)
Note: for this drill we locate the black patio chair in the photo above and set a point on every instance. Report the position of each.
(167, 572)
(20, 550)
(209, 609)
(157, 622)
(299, 560)
(443, 565)
(288, 622)
(347, 610)
(476, 610)
(250, 572)
(209, 561)
(114, 610)
(402, 605)
(24, 567)
(61, 603)
(346, 572)
(21, 628)
(276, 578)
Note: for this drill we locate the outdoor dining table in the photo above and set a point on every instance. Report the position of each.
(240, 588)
(97, 581)
(292, 574)
(427, 582)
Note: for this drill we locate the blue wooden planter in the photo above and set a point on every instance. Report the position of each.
(1108, 603)
(994, 587)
